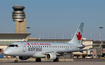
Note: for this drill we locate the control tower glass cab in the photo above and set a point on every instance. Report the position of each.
(19, 16)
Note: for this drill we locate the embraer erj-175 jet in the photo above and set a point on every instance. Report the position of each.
(51, 51)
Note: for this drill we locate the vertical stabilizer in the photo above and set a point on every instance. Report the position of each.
(77, 38)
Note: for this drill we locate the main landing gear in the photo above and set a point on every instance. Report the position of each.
(38, 60)
(56, 60)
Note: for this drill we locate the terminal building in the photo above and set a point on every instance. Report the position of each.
(19, 16)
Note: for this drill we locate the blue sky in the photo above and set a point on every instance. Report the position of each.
(56, 17)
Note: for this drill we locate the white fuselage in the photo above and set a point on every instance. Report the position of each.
(36, 49)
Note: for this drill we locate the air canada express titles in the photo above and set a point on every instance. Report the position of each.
(38, 44)
(36, 48)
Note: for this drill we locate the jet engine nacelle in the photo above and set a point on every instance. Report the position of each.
(23, 57)
(51, 56)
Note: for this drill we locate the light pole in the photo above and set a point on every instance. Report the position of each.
(100, 47)
(101, 33)
(28, 29)
(48, 36)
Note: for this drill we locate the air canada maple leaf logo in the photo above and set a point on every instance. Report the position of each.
(79, 35)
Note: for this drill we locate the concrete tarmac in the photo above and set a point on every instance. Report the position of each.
(75, 62)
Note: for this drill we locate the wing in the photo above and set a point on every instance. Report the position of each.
(68, 51)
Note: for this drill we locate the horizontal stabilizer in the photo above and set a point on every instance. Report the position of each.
(82, 46)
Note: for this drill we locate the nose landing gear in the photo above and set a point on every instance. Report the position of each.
(16, 61)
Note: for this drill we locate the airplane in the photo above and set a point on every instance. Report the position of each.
(49, 50)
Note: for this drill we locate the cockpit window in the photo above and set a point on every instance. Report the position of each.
(16, 45)
(13, 45)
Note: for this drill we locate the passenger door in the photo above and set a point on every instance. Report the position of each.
(24, 47)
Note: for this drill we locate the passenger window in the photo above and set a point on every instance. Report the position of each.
(56, 46)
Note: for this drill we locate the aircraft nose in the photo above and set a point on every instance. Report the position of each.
(6, 52)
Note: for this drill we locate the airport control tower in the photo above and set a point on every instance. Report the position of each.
(19, 16)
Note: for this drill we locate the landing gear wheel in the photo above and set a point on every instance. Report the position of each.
(83, 56)
(16, 61)
(38, 60)
(56, 60)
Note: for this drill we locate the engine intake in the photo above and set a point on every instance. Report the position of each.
(51, 56)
